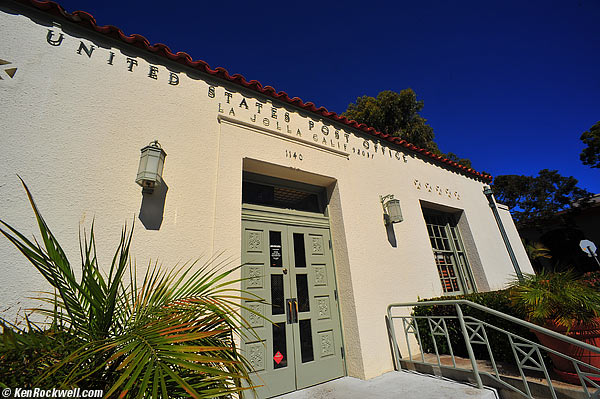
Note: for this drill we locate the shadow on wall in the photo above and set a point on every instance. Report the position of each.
(153, 207)
(391, 234)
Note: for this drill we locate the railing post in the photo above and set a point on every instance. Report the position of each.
(393, 343)
(392, 333)
(463, 327)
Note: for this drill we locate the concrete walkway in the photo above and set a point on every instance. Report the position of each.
(395, 384)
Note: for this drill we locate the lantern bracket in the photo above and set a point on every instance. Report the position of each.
(392, 212)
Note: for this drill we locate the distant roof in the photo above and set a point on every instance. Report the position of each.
(591, 201)
(87, 21)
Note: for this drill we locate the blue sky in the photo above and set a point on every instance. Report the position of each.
(509, 84)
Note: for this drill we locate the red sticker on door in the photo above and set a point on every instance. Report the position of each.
(278, 357)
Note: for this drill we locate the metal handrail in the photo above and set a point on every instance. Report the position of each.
(505, 316)
(437, 326)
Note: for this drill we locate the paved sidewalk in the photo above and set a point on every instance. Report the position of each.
(395, 384)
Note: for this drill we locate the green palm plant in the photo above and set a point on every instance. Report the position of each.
(30, 350)
(560, 298)
(536, 250)
(167, 333)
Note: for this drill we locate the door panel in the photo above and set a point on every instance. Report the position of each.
(318, 354)
(263, 277)
(307, 329)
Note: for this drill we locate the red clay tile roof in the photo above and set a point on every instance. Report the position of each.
(87, 21)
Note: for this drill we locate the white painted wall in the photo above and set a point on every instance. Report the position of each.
(72, 128)
(515, 239)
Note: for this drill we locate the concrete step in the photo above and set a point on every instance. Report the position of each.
(508, 373)
(395, 384)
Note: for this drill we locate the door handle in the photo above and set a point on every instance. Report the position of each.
(291, 310)
(295, 313)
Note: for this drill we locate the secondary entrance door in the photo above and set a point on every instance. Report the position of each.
(291, 268)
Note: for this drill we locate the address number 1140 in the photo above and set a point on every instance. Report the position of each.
(294, 155)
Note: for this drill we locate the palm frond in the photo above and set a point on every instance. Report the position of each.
(562, 298)
(170, 333)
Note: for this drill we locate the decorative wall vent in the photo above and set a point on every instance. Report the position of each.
(9, 71)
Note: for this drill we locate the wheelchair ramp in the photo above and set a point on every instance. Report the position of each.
(395, 384)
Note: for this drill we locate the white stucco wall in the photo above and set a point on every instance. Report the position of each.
(72, 128)
(515, 239)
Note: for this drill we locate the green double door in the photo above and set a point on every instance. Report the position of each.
(291, 268)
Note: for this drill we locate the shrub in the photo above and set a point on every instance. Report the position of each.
(500, 345)
(592, 279)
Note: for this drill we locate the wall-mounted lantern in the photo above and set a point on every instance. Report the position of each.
(152, 161)
(392, 213)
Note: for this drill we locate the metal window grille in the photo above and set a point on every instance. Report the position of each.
(448, 251)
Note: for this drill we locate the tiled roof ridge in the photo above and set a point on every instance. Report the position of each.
(86, 20)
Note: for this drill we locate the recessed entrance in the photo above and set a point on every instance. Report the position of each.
(288, 262)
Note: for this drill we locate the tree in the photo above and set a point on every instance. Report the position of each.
(462, 161)
(397, 114)
(534, 200)
(591, 154)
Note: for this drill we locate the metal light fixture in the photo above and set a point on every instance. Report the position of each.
(152, 162)
(392, 213)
